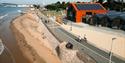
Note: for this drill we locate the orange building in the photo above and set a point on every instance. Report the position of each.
(77, 11)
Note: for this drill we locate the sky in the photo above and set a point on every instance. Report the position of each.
(40, 1)
(37, 1)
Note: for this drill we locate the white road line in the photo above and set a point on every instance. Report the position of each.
(88, 48)
(84, 45)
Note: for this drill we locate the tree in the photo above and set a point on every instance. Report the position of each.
(78, 1)
(63, 3)
(36, 6)
(100, 1)
(57, 3)
(94, 0)
(50, 7)
(57, 6)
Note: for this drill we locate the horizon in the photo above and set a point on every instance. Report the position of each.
(43, 2)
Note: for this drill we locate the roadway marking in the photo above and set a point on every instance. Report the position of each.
(82, 44)
(86, 47)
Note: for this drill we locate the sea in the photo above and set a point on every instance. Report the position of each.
(11, 53)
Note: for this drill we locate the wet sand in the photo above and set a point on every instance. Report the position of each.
(10, 42)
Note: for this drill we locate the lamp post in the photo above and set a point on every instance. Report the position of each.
(110, 58)
(71, 27)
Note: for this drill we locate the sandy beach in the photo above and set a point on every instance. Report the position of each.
(34, 39)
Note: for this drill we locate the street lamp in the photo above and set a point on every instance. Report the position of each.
(110, 58)
(71, 27)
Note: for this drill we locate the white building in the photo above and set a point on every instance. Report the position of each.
(21, 5)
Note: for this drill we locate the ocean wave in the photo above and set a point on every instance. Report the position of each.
(1, 17)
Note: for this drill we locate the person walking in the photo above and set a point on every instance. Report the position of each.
(80, 38)
(85, 39)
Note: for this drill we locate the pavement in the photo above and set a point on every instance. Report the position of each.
(63, 35)
(100, 37)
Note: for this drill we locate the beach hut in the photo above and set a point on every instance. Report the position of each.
(108, 19)
(96, 19)
(121, 18)
(77, 11)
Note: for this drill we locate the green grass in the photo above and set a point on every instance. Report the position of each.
(52, 13)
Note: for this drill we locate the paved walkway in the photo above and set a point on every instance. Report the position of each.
(65, 36)
(100, 37)
(99, 55)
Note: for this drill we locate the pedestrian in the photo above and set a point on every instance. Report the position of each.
(48, 21)
(45, 21)
(85, 39)
(80, 38)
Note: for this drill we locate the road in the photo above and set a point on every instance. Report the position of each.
(12, 53)
(62, 35)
